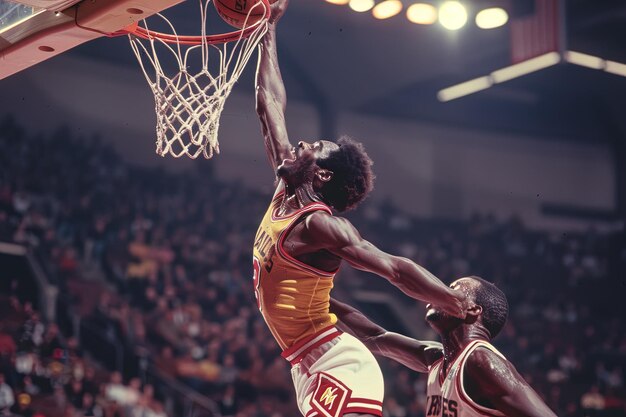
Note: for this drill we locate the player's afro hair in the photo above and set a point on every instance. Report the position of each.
(494, 304)
(352, 178)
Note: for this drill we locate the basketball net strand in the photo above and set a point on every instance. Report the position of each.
(188, 106)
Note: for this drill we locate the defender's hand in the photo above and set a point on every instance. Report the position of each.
(278, 8)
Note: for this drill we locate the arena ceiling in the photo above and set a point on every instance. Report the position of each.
(349, 61)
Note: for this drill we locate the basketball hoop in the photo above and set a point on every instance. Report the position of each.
(189, 104)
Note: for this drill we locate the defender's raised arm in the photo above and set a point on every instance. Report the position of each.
(271, 97)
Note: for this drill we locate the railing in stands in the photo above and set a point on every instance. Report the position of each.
(182, 401)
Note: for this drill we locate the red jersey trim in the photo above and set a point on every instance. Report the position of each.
(372, 411)
(376, 411)
(364, 405)
(461, 389)
(277, 196)
(460, 358)
(300, 210)
(290, 259)
(295, 353)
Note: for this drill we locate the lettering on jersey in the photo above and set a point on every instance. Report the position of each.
(438, 406)
(265, 246)
(330, 397)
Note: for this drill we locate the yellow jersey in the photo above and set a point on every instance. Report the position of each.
(293, 297)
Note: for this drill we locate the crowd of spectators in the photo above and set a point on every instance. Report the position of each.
(177, 250)
(44, 374)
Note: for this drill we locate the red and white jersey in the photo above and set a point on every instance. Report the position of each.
(446, 394)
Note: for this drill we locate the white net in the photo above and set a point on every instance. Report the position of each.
(189, 104)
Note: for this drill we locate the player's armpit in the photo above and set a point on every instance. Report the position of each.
(493, 382)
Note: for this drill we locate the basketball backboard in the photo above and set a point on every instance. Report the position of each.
(32, 31)
(13, 14)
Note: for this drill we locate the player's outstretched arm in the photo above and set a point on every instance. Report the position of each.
(271, 97)
(338, 236)
(414, 354)
(489, 378)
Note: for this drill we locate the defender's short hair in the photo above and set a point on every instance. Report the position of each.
(494, 303)
(353, 178)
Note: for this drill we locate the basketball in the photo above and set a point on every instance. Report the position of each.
(234, 12)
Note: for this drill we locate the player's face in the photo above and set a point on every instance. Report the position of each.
(301, 166)
(441, 321)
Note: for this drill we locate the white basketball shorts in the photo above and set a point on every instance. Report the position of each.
(338, 377)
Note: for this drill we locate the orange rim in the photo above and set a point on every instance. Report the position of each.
(148, 34)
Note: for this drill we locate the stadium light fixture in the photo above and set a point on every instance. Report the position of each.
(491, 18)
(594, 62)
(387, 9)
(340, 2)
(452, 15)
(616, 68)
(422, 14)
(584, 60)
(526, 67)
(361, 5)
(464, 89)
(499, 76)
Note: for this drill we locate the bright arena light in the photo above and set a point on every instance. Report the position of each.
(341, 2)
(422, 14)
(452, 15)
(492, 18)
(616, 68)
(584, 60)
(361, 5)
(387, 9)
(464, 89)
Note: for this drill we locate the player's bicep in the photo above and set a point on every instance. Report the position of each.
(492, 377)
(363, 255)
(339, 237)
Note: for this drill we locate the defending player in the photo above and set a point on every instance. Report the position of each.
(298, 249)
(467, 376)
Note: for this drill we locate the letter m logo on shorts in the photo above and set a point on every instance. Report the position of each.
(330, 397)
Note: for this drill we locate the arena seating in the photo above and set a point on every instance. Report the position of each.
(162, 271)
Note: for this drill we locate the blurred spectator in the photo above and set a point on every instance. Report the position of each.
(592, 401)
(117, 392)
(89, 407)
(7, 398)
(23, 408)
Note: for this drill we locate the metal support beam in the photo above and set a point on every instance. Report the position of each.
(611, 118)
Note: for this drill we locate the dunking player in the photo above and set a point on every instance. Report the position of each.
(467, 376)
(298, 249)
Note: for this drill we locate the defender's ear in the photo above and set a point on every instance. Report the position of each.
(473, 313)
(324, 175)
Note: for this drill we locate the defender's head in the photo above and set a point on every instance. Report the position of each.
(340, 172)
(488, 308)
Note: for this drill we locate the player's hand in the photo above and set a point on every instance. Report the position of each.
(278, 8)
(462, 305)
